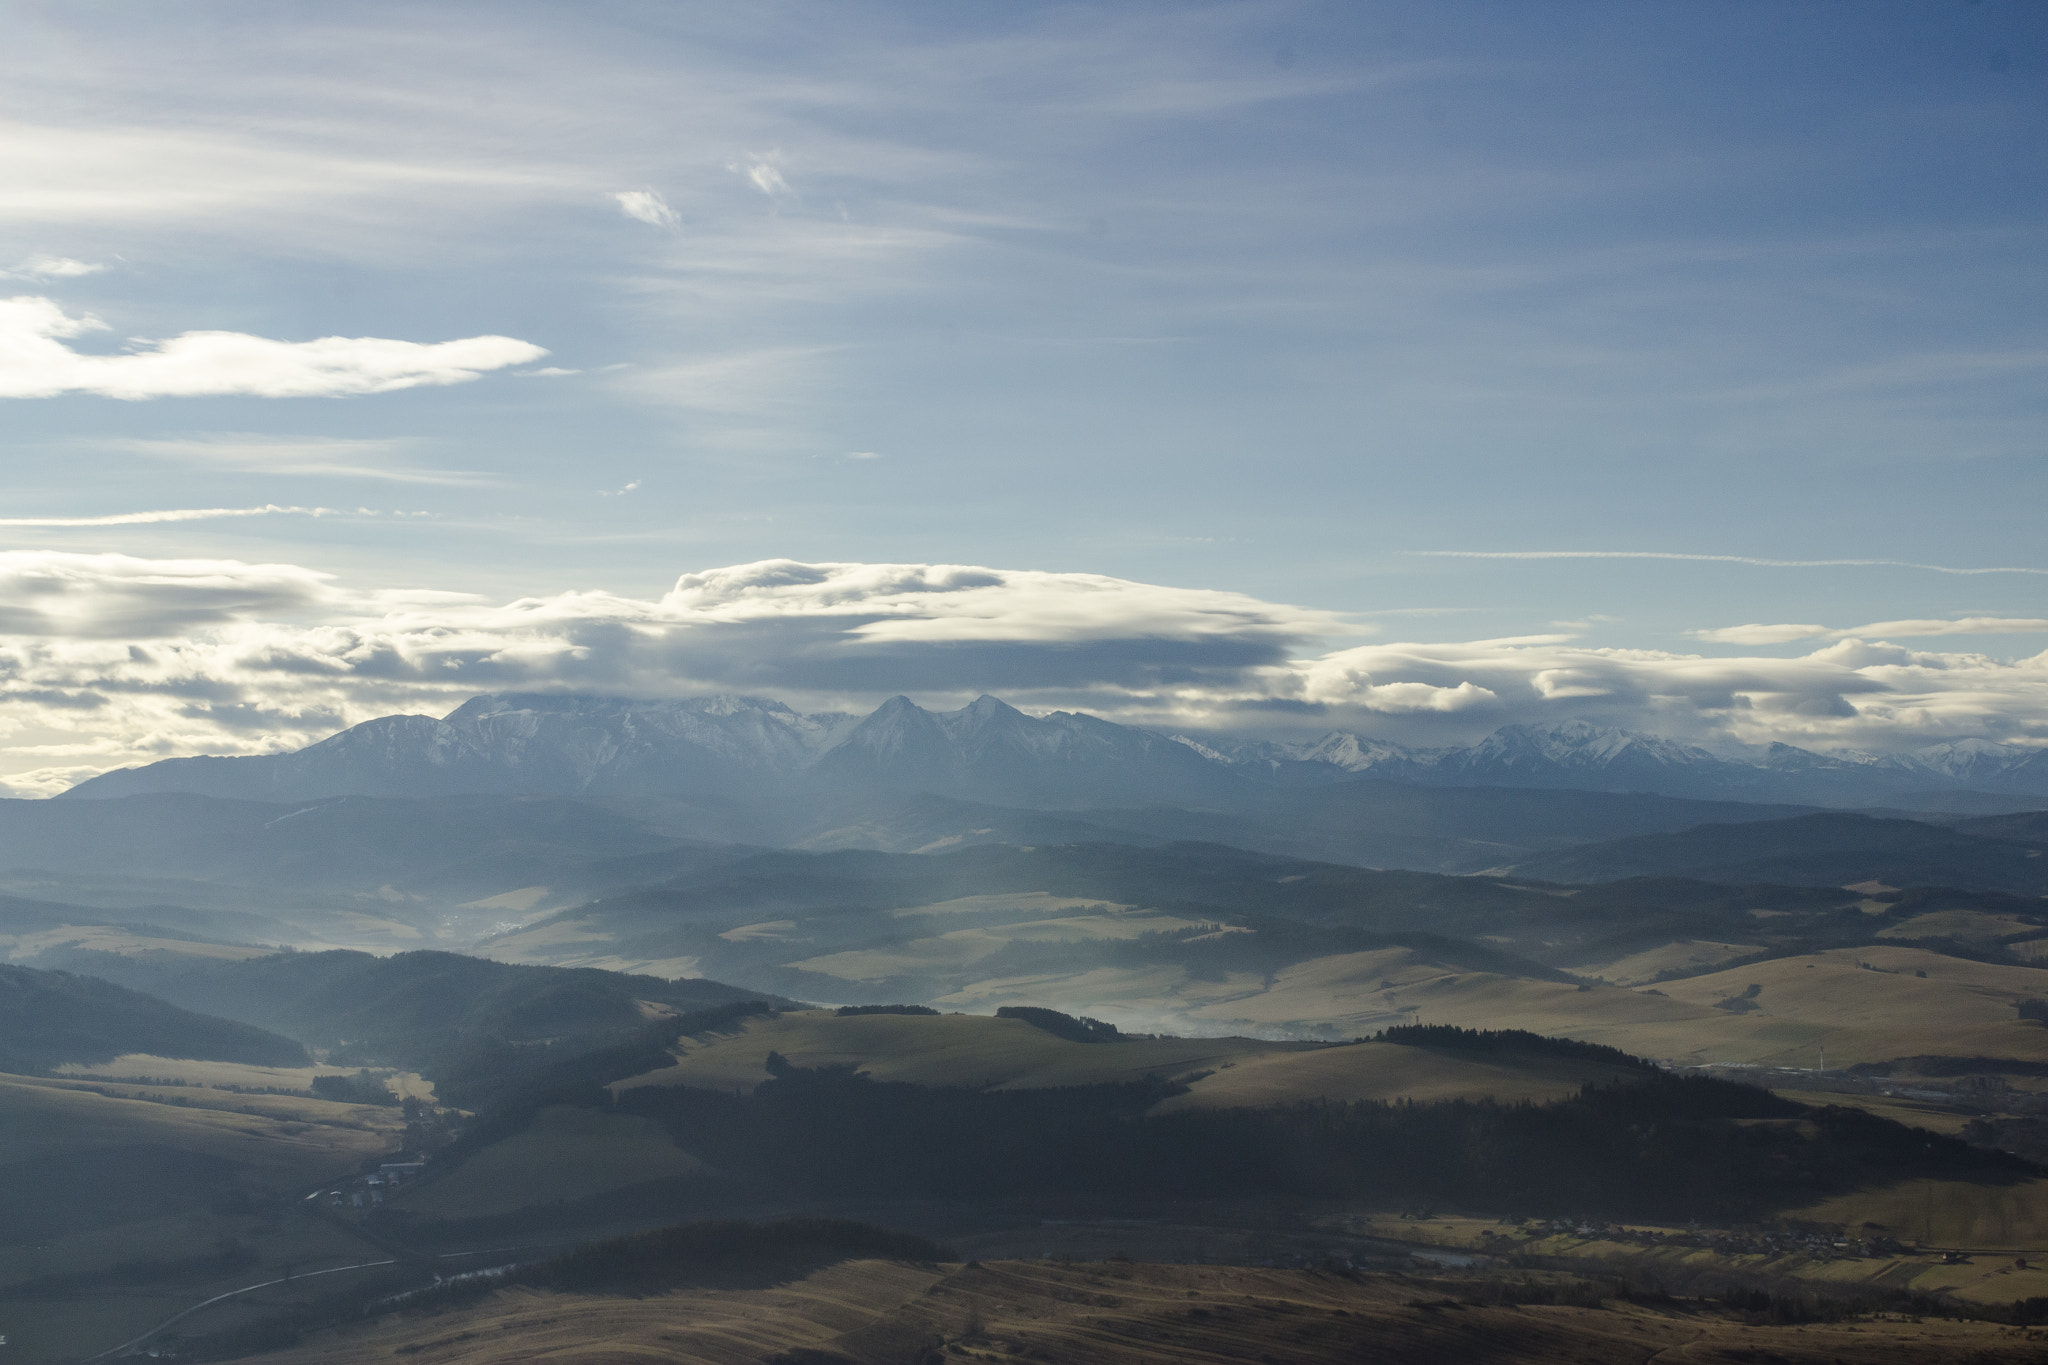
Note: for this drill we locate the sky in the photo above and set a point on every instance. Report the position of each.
(1405, 368)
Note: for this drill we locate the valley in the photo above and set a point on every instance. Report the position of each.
(1376, 1045)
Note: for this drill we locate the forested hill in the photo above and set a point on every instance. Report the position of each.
(413, 1009)
(50, 1018)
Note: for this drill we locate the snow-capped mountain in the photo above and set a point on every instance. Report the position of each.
(988, 751)
(519, 744)
(991, 751)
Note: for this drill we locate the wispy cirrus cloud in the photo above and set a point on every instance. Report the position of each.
(1959, 625)
(35, 362)
(168, 514)
(313, 456)
(1719, 559)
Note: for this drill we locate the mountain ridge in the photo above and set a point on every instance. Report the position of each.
(725, 745)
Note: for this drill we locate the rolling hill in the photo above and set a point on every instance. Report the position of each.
(418, 1008)
(1833, 849)
(50, 1018)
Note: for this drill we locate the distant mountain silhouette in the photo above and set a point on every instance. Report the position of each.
(728, 747)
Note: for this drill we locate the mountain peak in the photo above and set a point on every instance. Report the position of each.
(735, 745)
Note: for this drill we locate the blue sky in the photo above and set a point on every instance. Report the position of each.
(1302, 303)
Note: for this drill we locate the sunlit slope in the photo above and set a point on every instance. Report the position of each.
(32, 944)
(1961, 1008)
(1946, 1213)
(289, 1140)
(231, 1076)
(1646, 966)
(1869, 1004)
(1111, 1313)
(977, 1050)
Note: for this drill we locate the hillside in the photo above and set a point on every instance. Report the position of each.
(1092, 1310)
(122, 1205)
(50, 1018)
(380, 872)
(420, 1008)
(1201, 940)
(1812, 850)
(1008, 1054)
(326, 871)
(938, 922)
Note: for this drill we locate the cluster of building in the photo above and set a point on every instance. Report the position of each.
(1817, 1245)
(367, 1191)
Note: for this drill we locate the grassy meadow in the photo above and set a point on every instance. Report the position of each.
(867, 1312)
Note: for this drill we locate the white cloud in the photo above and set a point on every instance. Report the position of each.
(110, 596)
(333, 456)
(50, 268)
(35, 362)
(170, 514)
(953, 603)
(126, 659)
(763, 176)
(1714, 559)
(648, 207)
(1962, 625)
(1758, 634)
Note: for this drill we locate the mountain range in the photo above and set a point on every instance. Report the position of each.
(736, 747)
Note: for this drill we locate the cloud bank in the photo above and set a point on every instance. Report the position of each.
(110, 660)
(35, 362)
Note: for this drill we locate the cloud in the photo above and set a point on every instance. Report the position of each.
(170, 514)
(648, 207)
(763, 176)
(120, 597)
(127, 659)
(35, 362)
(1714, 559)
(50, 268)
(331, 456)
(1964, 625)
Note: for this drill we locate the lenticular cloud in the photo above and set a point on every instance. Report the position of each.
(107, 660)
(35, 362)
